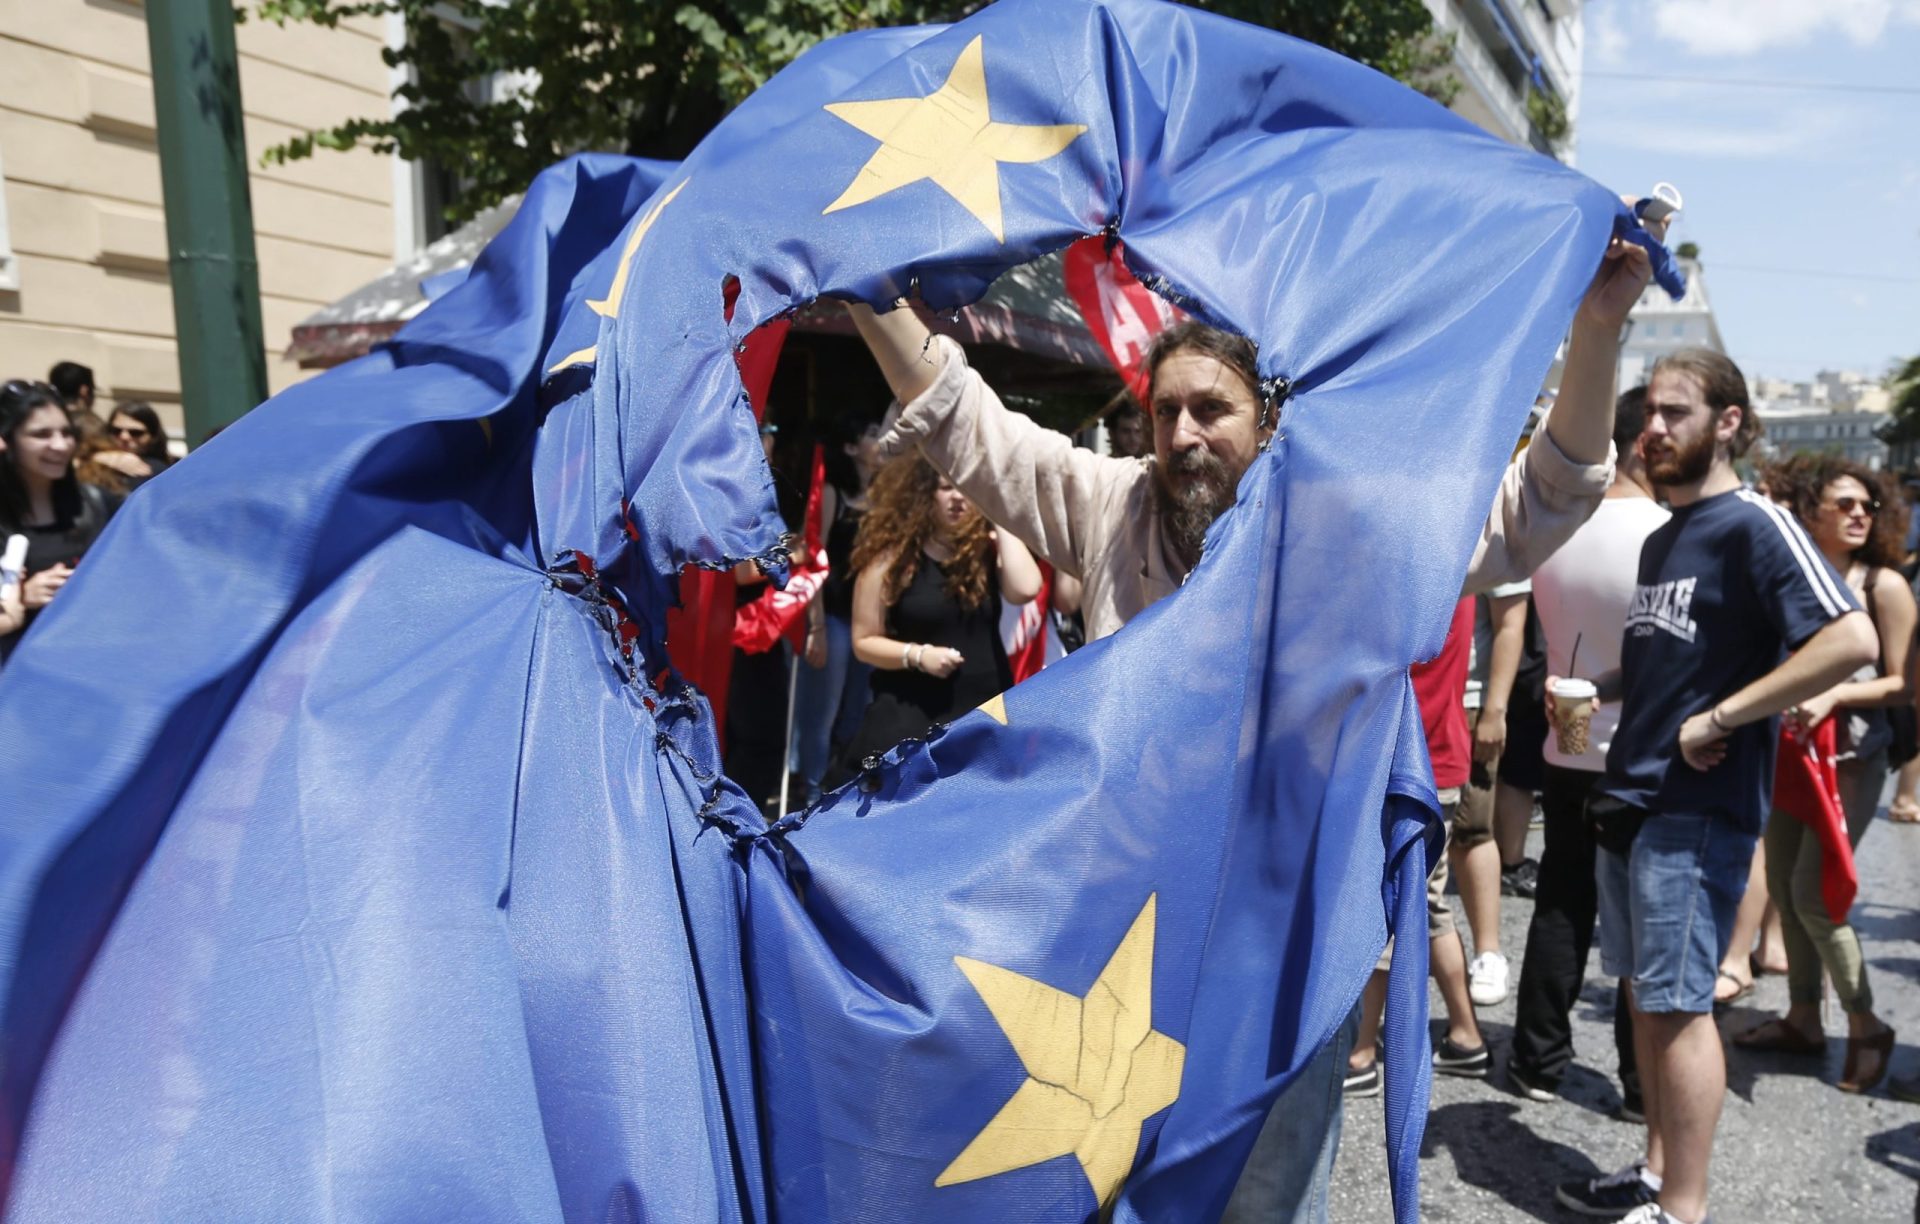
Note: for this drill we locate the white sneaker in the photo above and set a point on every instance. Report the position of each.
(1487, 979)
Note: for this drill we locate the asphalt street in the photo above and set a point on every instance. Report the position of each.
(1791, 1147)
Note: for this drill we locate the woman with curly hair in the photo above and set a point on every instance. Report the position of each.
(99, 459)
(1854, 517)
(931, 575)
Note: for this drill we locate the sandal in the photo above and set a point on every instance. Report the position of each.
(1741, 990)
(1903, 813)
(1776, 1036)
(1867, 1059)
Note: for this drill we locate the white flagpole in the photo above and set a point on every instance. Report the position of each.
(786, 755)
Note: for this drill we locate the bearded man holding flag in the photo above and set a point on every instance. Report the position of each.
(1133, 530)
(402, 881)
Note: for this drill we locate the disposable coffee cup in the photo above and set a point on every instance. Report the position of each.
(1572, 714)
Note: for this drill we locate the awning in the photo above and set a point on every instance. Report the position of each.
(1026, 311)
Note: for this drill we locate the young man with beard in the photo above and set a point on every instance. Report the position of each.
(1132, 530)
(1725, 589)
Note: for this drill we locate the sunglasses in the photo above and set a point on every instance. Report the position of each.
(136, 432)
(20, 386)
(1847, 505)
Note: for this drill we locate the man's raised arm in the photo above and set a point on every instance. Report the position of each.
(1555, 486)
(1032, 481)
(901, 346)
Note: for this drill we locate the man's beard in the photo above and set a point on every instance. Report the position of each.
(1190, 490)
(1683, 463)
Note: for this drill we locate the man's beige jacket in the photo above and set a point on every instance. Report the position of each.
(1092, 516)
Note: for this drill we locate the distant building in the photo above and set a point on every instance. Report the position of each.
(1837, 411)
(1794, 430)
(1659, 325)
(1505, 50)
(83, 243)
(1831, 389)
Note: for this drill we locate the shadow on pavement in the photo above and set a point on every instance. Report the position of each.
(1494, 1151)
(1885, 923)
(1905, 966)
(1591, 1090)
(1899, 1149)
(1745, 1067)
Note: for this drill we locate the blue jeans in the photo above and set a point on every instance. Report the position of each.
(827, 708)
(1290, 1170)
(1666, 909)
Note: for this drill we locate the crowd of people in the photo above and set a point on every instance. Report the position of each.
(64, 470)
(1643, 637)
(1643, 641)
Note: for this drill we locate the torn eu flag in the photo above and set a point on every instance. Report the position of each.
(400, 883)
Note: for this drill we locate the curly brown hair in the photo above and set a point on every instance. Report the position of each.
(1800, 483)
(92, 440)
(900, 521)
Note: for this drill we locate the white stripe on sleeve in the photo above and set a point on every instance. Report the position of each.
(1818, 576)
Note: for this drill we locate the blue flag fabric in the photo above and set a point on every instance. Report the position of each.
(391, 878)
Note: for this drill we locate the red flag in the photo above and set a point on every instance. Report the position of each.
(1024, 630)
(1123, 314)
(1806, 786)
(779, 612)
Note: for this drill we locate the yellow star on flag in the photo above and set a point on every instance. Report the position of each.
(949, 137)
(609, 306)
(1096, 1069)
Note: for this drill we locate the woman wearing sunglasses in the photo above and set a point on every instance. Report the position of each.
(40, 498)
(136, 427)
(1857, 522)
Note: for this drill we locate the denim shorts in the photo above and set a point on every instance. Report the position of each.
(1666, 910)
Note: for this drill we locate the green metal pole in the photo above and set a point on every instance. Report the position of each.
(203, 178)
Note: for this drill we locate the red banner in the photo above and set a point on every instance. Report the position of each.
(779, 612)
(1806, 786)
(1024, 634)
(1123, 314)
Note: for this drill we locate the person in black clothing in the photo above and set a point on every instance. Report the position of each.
(1735, 618)
(74, 383)
(832, 694)
(932, 573)
(39, 496)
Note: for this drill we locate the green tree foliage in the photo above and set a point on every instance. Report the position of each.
(499, 91)
(1904, 382)
(1688, 250)
(1548, 114)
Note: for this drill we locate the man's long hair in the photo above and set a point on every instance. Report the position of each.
(1722, 385)
(1230, 349)
(899, 522)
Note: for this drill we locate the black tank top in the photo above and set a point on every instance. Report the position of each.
(907, 702)
(838, 591)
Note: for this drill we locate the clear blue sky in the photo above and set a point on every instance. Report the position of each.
(1810, 180)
